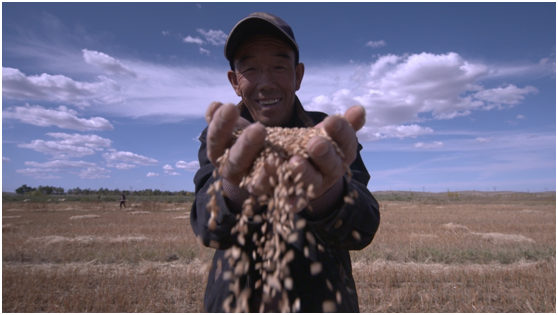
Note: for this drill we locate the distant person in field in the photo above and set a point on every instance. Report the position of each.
(122, 201)
(265, 73)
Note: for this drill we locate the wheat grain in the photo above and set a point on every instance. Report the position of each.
(278, 224)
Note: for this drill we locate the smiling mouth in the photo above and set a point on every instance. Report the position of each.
(269, 102)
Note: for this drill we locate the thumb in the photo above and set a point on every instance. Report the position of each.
(356, 116)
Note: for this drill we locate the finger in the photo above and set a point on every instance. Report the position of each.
(344, 135)
(211, 109)
(219, 132)
(214, 106)
(325, 158)
(242, 123)
(356, 116)
(309, 175)
(243, 153)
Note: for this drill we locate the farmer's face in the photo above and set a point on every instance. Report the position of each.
(266, 78)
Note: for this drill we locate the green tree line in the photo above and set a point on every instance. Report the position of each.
(51, 190)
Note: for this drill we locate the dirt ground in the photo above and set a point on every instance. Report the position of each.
(429, 255)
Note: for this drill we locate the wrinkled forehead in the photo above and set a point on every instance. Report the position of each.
(263, 44)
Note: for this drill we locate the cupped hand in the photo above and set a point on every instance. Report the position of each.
(325, 166)
(223, 119)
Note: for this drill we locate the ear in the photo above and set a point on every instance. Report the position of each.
(299, 72)
(234, 82)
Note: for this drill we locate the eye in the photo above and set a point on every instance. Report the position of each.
(247, 71)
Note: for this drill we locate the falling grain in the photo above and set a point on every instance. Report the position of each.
(278, 224)
(356, 235)
(315, 268)
(328, 306)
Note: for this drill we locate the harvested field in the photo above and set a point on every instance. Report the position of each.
(428, 256)
(86, 216)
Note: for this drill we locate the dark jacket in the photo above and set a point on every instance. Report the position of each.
(363, 217)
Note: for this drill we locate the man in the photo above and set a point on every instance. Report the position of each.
(266, 73)
(122, 201)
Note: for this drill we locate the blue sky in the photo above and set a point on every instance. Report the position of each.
(459, 96)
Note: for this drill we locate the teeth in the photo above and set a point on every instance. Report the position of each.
(269, 102)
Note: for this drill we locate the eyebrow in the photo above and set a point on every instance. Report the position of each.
(244, 58)
(282, 55)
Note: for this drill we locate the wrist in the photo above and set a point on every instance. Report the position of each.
(235, 197)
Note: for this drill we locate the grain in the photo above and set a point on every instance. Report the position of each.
(328, 306)
(356, 235)
(278, 224)
(338, 224)
(315, 268)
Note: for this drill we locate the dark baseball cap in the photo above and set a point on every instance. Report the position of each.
(259, 23)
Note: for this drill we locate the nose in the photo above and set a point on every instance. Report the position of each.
(266, 80)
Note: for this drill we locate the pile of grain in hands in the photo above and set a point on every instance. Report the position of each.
(278, 225)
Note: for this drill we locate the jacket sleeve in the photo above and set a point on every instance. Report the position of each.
(351, 226)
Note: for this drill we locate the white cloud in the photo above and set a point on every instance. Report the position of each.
(204, 52)
(128, 157)
(5, 160)
(452, 115)
(57, 149)
(216, 38)
(125, 166)
(392, 131)
(188, 166)
(171, 93)
(520, 117)
(39, 173)
(193, 40)
(58, 88)
(165, 33)
(90, 141)
(483, 140)
(71, 145)
(50, 169)
(396, 90)
(107, 63)
(168, 167)
(94, 172)
(432, 145)
(169, 170)
(61, 164)
(376, 44)
(509, 95)
(410, 89)
(61, 117)
(151, 174)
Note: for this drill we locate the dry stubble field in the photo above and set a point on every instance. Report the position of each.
(429, 255)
